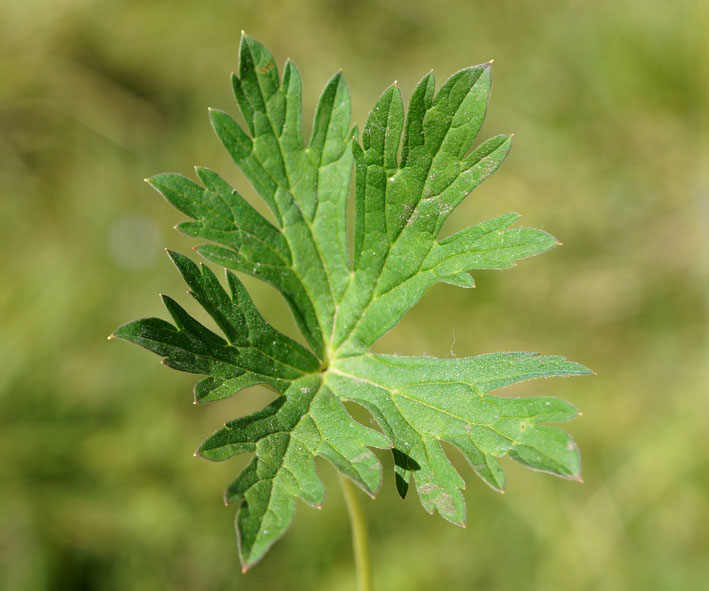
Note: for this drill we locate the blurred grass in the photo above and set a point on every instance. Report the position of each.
(99, 486)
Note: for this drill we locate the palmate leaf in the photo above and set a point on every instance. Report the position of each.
(404, 191)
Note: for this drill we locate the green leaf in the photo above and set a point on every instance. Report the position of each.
(412, 168)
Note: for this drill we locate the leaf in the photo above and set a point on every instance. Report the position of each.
(411, 171)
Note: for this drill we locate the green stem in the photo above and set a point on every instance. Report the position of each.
(359, 535)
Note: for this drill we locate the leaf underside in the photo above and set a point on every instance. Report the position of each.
(410, 172)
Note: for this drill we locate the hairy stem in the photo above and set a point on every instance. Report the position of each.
(360, 544)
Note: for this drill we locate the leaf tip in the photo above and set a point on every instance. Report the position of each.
(244, 568)
(110, 337)
(459, 522)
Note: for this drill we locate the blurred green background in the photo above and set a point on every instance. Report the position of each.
(98, 486)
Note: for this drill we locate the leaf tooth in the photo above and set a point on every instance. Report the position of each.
(333, 108)
(419, 104)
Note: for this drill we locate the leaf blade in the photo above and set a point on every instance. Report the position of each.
(411, 171)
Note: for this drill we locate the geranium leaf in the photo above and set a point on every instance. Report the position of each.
(412, 168)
